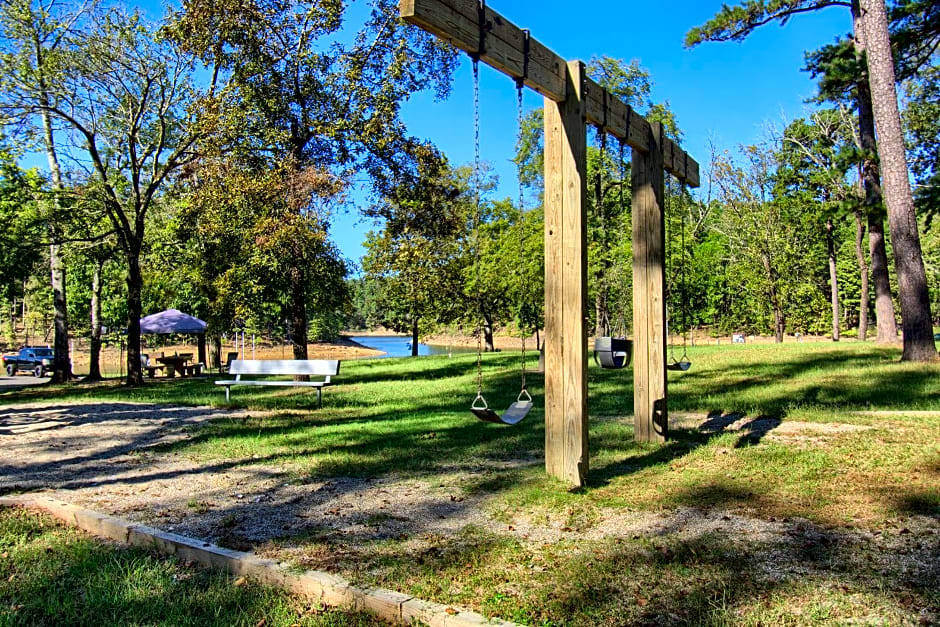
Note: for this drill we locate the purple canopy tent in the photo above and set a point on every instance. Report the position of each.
(175, 321)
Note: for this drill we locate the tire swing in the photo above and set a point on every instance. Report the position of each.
(518, 410)
(611, 352)
(682, 363)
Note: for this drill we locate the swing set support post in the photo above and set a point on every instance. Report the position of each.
(566, 410)
(650, 406)
(573, 100)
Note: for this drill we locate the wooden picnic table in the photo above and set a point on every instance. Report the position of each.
(180, 363)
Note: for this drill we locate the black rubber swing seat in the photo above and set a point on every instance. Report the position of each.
(681, 366)
(612, 353)
(512, 416)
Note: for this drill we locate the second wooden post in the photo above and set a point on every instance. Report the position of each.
(649, 309)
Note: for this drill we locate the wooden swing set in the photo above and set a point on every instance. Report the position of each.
(572, 101)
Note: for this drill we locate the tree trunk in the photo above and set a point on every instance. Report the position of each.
(871, 182)
(863, 277)
(884, 302)
(916, 321)
(414, 336)
(779, 318)
(135, 285)
(94, 364)
(298, 318)
(833, 278)
(488, 333)
(298, 314)
(10, 330)
(217, 352)
(61, 362)
(201, 348)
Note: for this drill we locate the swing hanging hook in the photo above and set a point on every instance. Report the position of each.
(482, 26)
(520, 82)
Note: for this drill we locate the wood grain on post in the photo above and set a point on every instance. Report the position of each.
(566, 416)
(649, 313)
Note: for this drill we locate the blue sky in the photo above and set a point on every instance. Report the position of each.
(723, 92)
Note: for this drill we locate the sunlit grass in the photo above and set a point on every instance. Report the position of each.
(54, 575)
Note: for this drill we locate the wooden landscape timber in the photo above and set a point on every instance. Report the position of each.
(572, 101)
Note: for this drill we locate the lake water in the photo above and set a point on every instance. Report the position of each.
(400, 346)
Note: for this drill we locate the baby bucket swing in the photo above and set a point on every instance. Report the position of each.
(611, 352)
(681, 364)
(518, 410)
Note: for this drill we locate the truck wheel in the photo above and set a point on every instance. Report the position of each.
(38, 372)
(11, 370)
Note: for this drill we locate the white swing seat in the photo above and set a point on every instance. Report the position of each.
(512, 416)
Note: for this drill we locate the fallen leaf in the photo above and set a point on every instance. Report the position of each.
(241, 581)
(451, 611)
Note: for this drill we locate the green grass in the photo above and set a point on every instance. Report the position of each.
(54, 575)
(408, 417)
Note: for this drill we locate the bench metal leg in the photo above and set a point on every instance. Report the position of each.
(227, 388)
(319, 399)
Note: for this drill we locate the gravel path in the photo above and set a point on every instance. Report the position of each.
(105, 456)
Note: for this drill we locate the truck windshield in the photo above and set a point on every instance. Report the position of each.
(42, 352)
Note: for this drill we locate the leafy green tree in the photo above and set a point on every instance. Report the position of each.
(302, 92)
(816, 155)
(246, 234)
(768, 236)
(123, 102)
(414, 264)
(20, 231)
(504, 276)
(922, 125)
(37, 45)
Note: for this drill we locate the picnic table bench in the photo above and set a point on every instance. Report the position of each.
(325, 368)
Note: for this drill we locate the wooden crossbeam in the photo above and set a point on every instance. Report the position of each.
(504, 48)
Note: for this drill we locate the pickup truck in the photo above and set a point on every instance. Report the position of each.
(35, 359)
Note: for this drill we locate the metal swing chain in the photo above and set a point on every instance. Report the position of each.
(601, 210)
(670, 265)
(685, 286)
(522, 266)
(476, 220)
(623, 171)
